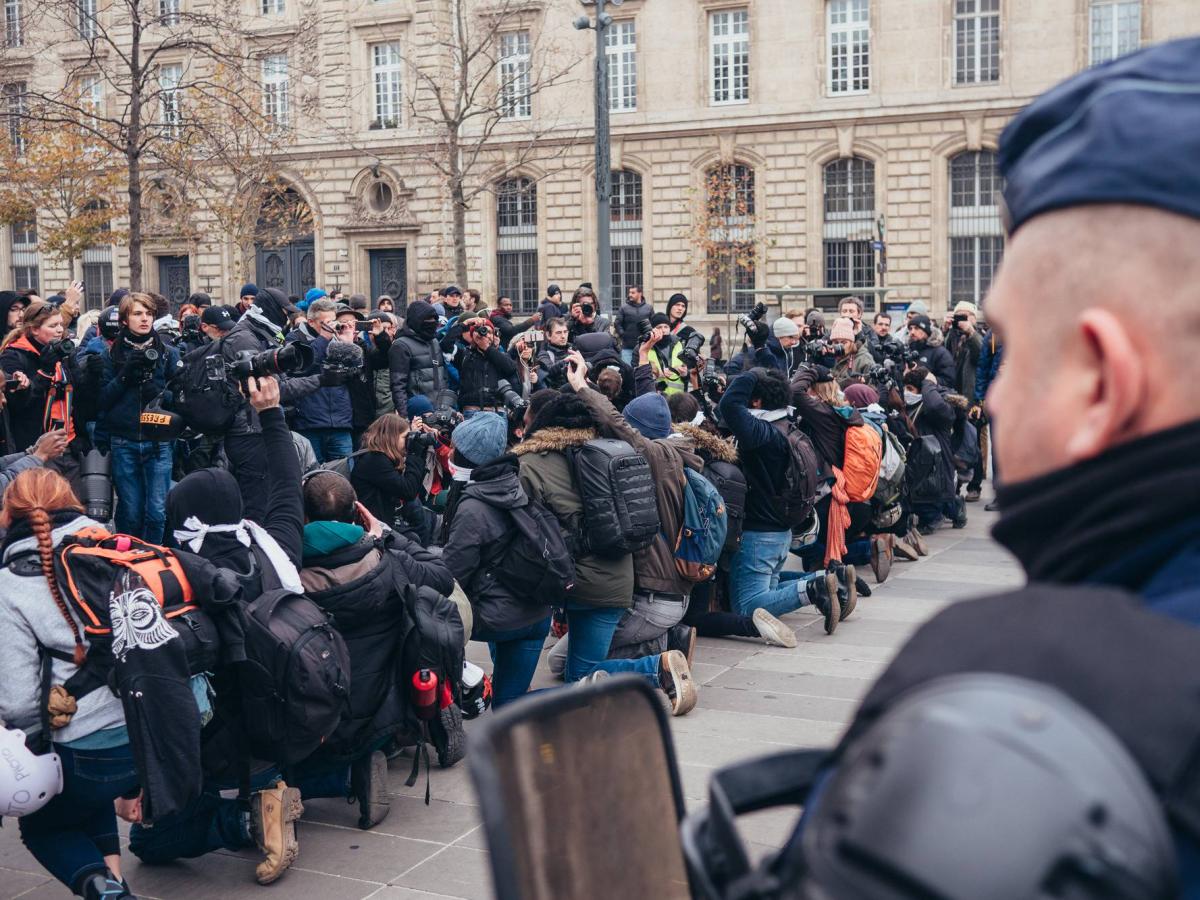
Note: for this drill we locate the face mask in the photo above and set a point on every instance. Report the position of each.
(427, 329)
(911, 399)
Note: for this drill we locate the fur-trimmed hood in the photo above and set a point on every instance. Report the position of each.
(958, 401)
(554, 438)
(707, 443)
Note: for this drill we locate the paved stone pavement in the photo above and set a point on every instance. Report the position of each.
(754, 699)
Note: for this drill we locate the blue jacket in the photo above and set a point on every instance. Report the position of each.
(326, 407)
(772, 355)
(988, 366)
(762, 454)
(123, 393)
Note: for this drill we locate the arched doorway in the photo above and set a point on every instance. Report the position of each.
(285, 256)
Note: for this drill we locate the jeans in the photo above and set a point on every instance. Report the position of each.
(330, 443)
(592, 629)
(71, 835)
(247, 455)
(627, 356)
(643, 629)
(141, 474)
(754, 576)
(515, 656)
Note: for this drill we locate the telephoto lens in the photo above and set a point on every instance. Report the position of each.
(97, 487)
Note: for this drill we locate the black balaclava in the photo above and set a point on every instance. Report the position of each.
(274, 303)
(422, 319)
(213, 497)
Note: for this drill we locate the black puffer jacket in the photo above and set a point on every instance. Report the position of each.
(361, 586)
(254, 336)
(417, 367)
(479, 534)
(628, 317)
(480, 374)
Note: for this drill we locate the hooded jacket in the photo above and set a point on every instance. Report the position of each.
(416, 362)
(329, 405)
(479, 535)
(937, 360)
(359, 581)
(628, 318)
(547, 476)
(763, 453)
(7, 300)
(654, 567)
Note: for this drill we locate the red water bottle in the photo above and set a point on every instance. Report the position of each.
(425, 693)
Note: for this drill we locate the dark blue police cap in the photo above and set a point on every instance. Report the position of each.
(1124, 132)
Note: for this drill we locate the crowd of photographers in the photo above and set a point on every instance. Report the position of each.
(558, 474)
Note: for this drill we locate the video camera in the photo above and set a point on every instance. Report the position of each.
(751, 319)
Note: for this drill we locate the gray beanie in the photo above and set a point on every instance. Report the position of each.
(481, 438)
(784, 327)
(920, 307)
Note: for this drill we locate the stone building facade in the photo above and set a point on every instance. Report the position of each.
(853, 129)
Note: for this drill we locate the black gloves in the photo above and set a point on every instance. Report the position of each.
(758, 335)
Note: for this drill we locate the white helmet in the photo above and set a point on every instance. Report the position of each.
(27, 782)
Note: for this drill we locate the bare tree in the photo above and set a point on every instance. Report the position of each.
(152, 82)
(473, 97)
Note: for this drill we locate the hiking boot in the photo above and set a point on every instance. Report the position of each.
(881, 558)
(368, 785)
(847, 591)
(973, 495)
(683, 639)
(904, 551)
(105, 886)
(864, 589)
(822, 593)
(994, 506)
(916, 541)
(273, 815)
(772, 630)
(675, 678)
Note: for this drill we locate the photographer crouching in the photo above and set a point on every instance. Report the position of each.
(134, 372)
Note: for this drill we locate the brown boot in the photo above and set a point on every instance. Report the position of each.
(273, 815)
(675, 678)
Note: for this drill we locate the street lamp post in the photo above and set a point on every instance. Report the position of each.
(603, 150)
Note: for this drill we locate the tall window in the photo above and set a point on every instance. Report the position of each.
(91, 97)
(729, 55)
(625, 233)
(1116, 29)
(515, 100)
(272, 7)
(275, 89)
(24, 256)
(14, 32)
(976, 41)
(97, 271)
(620, 44)
(85, 19)
(976, 232)
(15, 110)
(849, 46)
(849, 223)
(170, 98)
(516, 242)
(168, 11)
(730, 262)
(385, 78)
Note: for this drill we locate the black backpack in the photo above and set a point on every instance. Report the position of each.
(620, 507)
(799, 494)
(203, 394)
(536, 564)
(295, 683)
(730, 483)
(930, 476)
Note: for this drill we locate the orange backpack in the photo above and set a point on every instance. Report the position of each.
(864, 453)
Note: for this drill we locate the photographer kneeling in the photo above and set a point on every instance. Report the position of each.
(134, 371)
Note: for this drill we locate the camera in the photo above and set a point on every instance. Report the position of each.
(645, 329)
(820, 348)
(144, 361)
(511, 399)
(189, 326)
(57, 351)
(960, 317)
(482, 330)
(286, 360)
(690, 354)
(750, 319)
(587, 309)
(420, 441)
(97, 487)
(444, 420)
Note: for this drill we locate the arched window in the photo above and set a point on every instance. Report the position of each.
(849, 226)
(729, 207)
(976, 232)
(516, 242)
(285, 254)
(625, 233)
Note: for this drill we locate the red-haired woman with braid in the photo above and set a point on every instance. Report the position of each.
(75, 835)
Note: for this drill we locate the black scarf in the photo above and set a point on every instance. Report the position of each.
(127, 341)
(21, 528)
(1072, 524)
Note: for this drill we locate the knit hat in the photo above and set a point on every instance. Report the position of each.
(358, 301)
(921, 322)
(552, 290)
(650, 415)
(784, 327)
(115, 298)
(481, 438)
(919, 306)
(313, 293)
(659, 319)
(815, 317)
(677, 298)
(842, 330)
(248, 290)
(966, 306)
(419, 405)
(861, 395)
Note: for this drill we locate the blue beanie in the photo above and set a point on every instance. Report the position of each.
(115, 298)
(419, 405)
(248, 290)
(481, 438)
(650, 415)
(314, 293)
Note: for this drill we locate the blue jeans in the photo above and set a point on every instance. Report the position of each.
(515, 656)
(330, 443)
(141, 473)
(71, 835)
(754, 575)
(627, 356)
(592, 631)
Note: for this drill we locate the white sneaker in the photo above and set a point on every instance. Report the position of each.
(772, 630)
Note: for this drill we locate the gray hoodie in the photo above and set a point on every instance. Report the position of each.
(28, 616)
